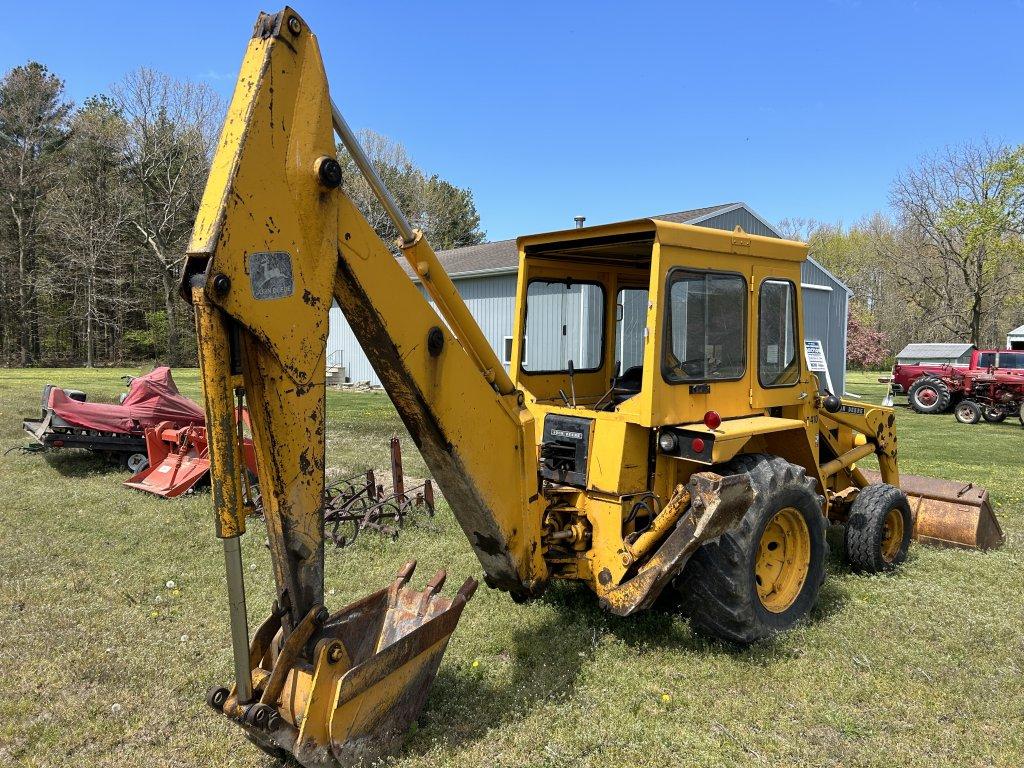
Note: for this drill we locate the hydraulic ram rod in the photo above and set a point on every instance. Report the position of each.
(424, 262)
(239, 620)
(348, 138)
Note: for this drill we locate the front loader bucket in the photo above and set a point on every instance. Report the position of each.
(372, 668)
(949, 513)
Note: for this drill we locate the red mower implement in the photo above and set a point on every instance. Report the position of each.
(179, 458)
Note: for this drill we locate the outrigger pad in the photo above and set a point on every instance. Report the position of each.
(949, 513)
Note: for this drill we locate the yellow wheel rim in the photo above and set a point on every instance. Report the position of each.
(892, 535)
(783, 558)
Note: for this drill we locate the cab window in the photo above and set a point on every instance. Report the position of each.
(1013, 360)
(705, 327)
(564, 321)
(986, 359)
(778, 363)
(630, 322)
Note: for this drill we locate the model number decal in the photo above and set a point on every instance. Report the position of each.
(570, 435)
(854, 409)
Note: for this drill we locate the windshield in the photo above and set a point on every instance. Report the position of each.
(564, 322)
(705, 330)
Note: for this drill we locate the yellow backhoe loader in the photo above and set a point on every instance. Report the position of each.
(659, 426)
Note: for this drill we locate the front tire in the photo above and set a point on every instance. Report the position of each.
(764, 576)
(929, 395)
(967, 412)
(878, 530)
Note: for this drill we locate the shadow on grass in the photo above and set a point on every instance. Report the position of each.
(546, 661)
(76, 463)
(467, 703)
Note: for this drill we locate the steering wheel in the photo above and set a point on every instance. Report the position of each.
(690, 368)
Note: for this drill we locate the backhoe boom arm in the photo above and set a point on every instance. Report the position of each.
(275, 241)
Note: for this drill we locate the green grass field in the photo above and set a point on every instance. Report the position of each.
(101, 664)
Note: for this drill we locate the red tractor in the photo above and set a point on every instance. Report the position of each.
(988, 395)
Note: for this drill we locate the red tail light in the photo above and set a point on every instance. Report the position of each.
(712, 420)
(57, 443)
(697, 445)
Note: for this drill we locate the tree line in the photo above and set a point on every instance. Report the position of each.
(97, 202)
(943, 265)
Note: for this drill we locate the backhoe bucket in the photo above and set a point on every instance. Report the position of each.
(949, 513)
(373, 665)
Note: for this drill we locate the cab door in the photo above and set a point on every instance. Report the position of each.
(779, 375)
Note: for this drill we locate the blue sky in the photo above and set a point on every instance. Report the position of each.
(612, 110)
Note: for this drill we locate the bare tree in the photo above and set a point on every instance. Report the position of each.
(33, 118)
(957, 242)
(91, 210)
(170, 131)
(445, 213)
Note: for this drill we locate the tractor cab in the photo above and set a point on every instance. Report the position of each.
(657, 323)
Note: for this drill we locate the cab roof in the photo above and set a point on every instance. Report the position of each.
(631, 240)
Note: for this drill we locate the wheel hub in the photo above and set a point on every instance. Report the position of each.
(927, 395)
(892, 535)
(783, 559)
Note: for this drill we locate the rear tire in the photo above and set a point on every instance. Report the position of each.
(929, 395)
(967, 412)
(764, 576)
(878, 530)
(993, 415)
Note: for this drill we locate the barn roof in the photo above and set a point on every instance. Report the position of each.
(503, 256)
(934, 351)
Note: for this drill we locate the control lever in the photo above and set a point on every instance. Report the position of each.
(572, 383)
(611, 388)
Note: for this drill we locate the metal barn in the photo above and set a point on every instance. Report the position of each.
(486, 278)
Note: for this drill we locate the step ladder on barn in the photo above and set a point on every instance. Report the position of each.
(337, 374)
